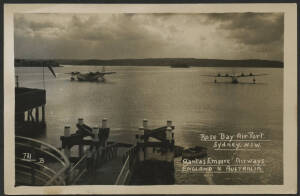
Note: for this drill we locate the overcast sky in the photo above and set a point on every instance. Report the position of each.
(115, 36)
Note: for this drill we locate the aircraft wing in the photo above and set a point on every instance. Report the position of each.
(74, 73)
(219, 75)
(209, 75)
(263, 74)
(251, 75)
(51, 69)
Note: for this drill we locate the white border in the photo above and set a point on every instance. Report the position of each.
(290, 97)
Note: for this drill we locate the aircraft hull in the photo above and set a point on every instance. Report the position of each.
(87, 77)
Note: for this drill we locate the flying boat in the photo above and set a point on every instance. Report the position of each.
(234, 78)
(90, 76)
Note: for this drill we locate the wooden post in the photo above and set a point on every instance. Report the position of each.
(145, 126)
(43, 114)
(80, 121)
(145, 123)
(169, 134)
(169, 123)
(170, 137)
(80, 146)
(95, 132)
(67, 131)
(104, 123)
(143, 150)
(67, 134)
(94, 147)
(169, 131)
(104, 126)
(141, 153)
(37, 115)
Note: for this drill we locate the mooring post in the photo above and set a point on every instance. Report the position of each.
(142, 140)
(104, 128)
(80, 146)
(145, 125)
(170, 137)
(169, 123)
(141, 147)
(104, 123)
(169, 131)
(169, 134)
(147, 150)
(92, 151)
(95, 138)
(80, 121)
(67, 131)
(102, 135)
(95, 132)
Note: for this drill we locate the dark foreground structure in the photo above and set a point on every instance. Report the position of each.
(86, 157)
(29, 110)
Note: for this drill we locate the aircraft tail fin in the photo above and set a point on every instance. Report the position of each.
(51, 69)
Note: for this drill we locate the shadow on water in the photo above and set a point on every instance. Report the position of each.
(234, 84)
(94, 82)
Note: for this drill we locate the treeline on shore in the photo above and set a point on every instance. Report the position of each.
(153, 62)
(35, 63)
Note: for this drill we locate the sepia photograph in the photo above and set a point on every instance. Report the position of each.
(143, 98)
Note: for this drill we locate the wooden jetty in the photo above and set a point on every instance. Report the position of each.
(156, 153)
(89, 158)
(29, 109)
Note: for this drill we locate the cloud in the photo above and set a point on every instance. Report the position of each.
(22, 23)
(251, 28)
(88, 37)
(112, 36)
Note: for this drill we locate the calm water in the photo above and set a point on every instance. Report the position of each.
(194, 103)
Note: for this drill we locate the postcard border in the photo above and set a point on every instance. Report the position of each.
(290, 102)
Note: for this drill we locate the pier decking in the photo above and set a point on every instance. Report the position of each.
(107, 174)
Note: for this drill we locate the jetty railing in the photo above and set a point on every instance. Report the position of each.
(78, 170)
(93, 152)
(90, 162)
(153, 144)
(38, 163)
(128, 162)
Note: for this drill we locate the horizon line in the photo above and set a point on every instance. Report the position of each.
(84, 59)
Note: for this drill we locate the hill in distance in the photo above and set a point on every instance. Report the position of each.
(151, 62)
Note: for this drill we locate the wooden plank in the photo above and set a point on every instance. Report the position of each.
(158, 133)
(156, 144)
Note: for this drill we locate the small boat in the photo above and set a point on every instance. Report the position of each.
(197, 152)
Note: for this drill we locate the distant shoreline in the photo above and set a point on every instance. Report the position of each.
(257, 63)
